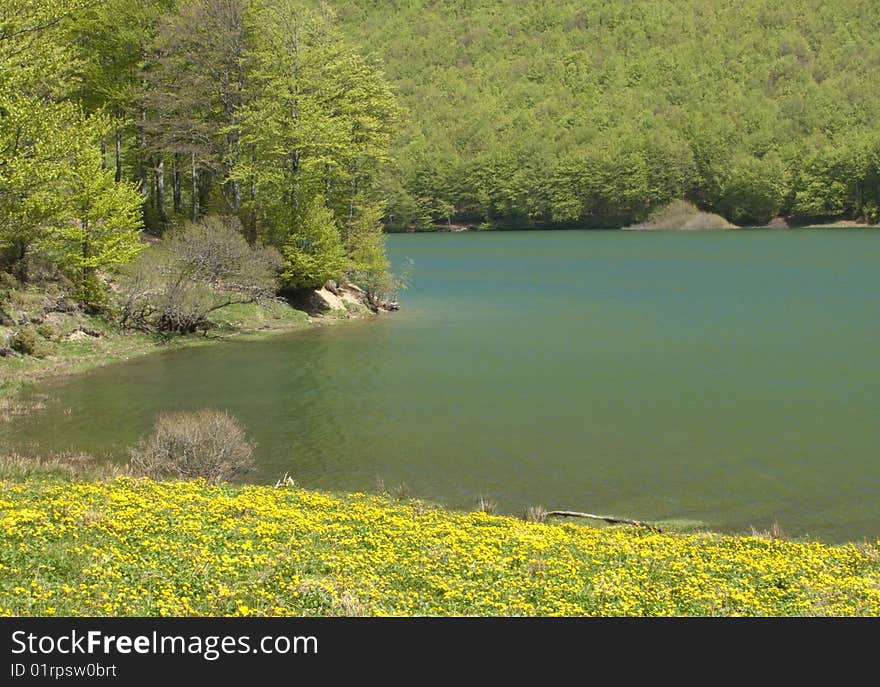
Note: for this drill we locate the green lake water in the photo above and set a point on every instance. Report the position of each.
(726, 379)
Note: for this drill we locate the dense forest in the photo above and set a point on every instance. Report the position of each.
(585, 112)
(120, 115)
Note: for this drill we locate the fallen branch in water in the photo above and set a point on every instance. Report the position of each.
(606, 518)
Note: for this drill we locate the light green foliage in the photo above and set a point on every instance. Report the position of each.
(101, 225)
(595, 112)
(55, 197)
(318, 119)
(37, 127)
(314, 252)
(369, 266)
(752, 190)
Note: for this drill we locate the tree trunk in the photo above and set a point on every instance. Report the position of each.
(160, 191)
(21, 268)
(118, 155)
(103, 153)
(295, 170)
(175, 175)
(142, 165)
(154, 186)
(205, 180)
(252, 220)
(354, 188)
(86, 272)
(607, 518)
(195, 189)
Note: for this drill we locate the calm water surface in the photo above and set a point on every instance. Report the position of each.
(726, 379)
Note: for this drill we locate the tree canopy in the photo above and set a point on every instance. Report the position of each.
(586, 112)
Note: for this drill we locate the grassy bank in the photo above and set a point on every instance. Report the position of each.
(135, 547)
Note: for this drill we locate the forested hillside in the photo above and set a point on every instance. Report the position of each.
(121, 115)
(587, 111)
(309, 125)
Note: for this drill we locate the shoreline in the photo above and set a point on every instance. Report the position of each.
(774, 224)
(69, 358)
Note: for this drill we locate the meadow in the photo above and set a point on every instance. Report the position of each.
(134, 547)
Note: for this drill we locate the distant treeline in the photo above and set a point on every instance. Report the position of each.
(597, 112)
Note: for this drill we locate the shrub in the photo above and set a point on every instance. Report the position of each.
(535, 514)
(46, 331)
(680, 214)
(27, 342)
(7, 281)
(194, 271)
(206, 443)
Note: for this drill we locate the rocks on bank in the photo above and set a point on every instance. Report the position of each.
(347, 300)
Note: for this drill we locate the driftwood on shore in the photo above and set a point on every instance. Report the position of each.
(606, 518)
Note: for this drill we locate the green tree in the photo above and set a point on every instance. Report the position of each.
(100, 229)
(368, 262)
(38, 126)
(318, 119)
(752, 190)
(313, 254)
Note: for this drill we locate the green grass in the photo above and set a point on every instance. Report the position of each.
(254, 317)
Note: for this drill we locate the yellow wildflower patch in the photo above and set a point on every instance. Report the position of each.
(137, 547)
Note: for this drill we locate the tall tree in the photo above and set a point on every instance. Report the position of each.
(102, 219)
(56, 197)
(318, 123)
(37, 125)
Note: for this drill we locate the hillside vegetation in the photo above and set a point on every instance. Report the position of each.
(592, 112)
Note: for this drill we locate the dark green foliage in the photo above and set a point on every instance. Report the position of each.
(46, 331)
(27, 342)
(7, 282)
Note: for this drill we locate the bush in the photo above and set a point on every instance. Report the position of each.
(680, 214)
(7, 281)
(195, 270)
(46, 331)
(27, 342)
(205, 443)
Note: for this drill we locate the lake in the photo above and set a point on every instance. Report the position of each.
(725, 380)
